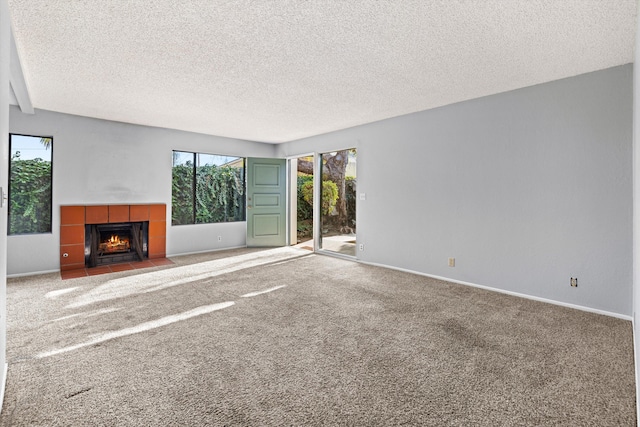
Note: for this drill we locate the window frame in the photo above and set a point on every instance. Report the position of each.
(9, 190)
(194, 186)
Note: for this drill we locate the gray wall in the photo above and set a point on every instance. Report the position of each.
(525, 189)
(97, 161)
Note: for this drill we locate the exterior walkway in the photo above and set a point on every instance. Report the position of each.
(344, 244)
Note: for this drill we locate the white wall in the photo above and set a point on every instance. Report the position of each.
(98, 161)
(526, 189)
(5, 34)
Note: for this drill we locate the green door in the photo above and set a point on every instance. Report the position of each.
(266, 200)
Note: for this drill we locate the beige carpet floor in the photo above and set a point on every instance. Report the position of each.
(286, 337)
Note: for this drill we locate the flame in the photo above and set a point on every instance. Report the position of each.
(115, 240)
(115, 243)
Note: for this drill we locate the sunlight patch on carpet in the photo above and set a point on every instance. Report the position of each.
(157, 280)
(146, 326)
(288, 260)
(59, 292)
(266, 291)
(87, 314)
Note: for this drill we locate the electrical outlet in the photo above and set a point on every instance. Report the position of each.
(452, 262)
(574, 282)
(219, 238)
(361, 246)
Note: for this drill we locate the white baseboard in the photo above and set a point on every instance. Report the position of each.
(502, 291)
(32, 273)
(3, 385)
(206, 250)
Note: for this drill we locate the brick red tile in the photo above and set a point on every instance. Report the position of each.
(75, 254)
(97, 214)
(118, 213)
(70, 215)
(162, 261)
(121, 267)
(98, 270)
(157, 247)
(77, 272)
(72, 234)
(139, 213)
(157, 229)
(157, 212)
(142, 264)
(73, 274)
(69, 267)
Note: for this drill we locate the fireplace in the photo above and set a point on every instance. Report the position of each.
(116, 243)
(122, 222)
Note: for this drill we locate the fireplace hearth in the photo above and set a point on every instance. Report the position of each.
(116, 243)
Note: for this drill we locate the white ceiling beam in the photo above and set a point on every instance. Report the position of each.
(12, 97)
(18, 83)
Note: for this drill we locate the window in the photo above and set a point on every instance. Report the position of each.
(30, 177)
(207, 188)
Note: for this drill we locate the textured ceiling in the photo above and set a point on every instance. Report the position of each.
(281, 70)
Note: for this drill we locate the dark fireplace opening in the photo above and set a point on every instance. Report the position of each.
(115, 243)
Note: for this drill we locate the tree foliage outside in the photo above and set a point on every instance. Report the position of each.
(30, 192)
(219, 194)
(329, 195)
(334, 168)
(182, 194)
(350, 195)
(216, 196)
(305, 210)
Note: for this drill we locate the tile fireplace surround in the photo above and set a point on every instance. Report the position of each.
(73, 220)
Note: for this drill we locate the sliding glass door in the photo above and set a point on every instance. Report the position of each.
(338, 202)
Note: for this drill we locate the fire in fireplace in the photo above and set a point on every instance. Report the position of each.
(116, 243)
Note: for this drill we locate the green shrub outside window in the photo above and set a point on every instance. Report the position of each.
(30, 179)
(207, 188)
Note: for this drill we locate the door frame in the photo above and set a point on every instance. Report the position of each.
(292, 183)
(317, 213)
(317, 201)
